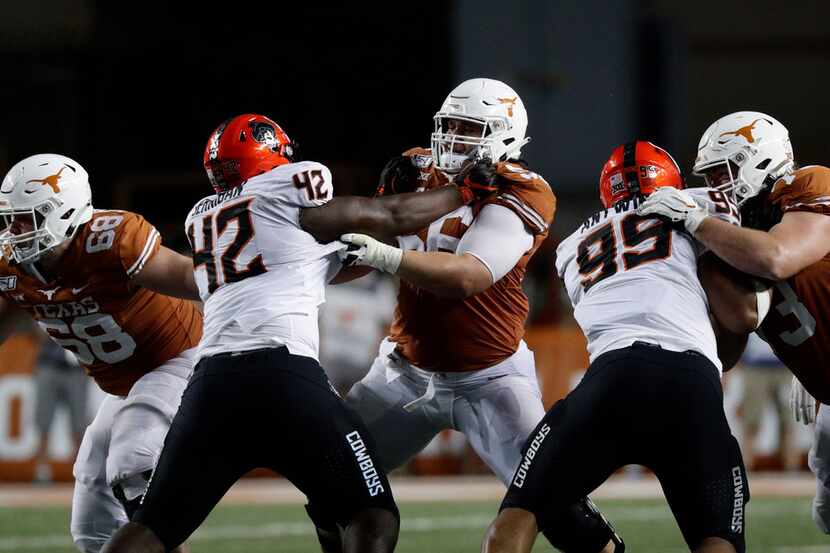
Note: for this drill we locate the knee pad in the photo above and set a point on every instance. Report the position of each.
(130, 491)
(579, 529)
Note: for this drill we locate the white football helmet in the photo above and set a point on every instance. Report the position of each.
(51, 194)
(495, 114)
(758, 147)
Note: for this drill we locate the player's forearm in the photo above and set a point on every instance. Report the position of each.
(402, 214)
(169, 273)
(444, 274)
(381, 217)
(751, 251)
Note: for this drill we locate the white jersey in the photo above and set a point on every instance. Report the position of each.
(260, 275)
(633, 278)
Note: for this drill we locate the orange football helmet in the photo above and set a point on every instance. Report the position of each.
(637, 168)
(243, 147)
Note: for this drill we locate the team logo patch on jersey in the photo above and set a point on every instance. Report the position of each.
(8, 283)
(49, 293)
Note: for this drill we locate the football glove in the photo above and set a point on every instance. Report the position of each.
(676, 205)
(480, 177)
(803, 404)
(398, 176)
(365, 250)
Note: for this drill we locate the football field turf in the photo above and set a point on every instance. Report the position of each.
(776, 525)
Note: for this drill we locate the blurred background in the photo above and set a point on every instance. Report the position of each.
(133, 95)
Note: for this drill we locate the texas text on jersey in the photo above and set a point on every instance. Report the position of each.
(251, 236)
(486, 328)
(619, 243)
(795, 326)
(119, 331)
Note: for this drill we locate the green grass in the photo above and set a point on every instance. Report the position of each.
(775, 526)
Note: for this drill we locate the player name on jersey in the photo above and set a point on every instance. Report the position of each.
(213, 201)
(619, 207)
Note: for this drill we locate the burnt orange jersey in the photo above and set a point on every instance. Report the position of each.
(118, 330)
(451, 335)
(797, 326)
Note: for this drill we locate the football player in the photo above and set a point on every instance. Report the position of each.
(455, 358)
(91, 279)
(634, 285)
(786, 239)
(257, 384)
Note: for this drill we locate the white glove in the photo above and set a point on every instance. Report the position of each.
(365, 250)
(802, 403)
(676, 205)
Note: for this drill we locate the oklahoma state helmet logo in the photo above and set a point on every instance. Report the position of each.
(745, 131)
(50, 181)
(264, 134)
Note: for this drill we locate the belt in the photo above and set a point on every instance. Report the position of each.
(641, 344)
(226, 354)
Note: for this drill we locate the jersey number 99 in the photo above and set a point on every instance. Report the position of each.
(597, 253)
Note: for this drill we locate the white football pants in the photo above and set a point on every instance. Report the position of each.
(405, 407)
(124, 440)
(820, 465)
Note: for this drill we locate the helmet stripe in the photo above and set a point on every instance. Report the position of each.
(629, 165)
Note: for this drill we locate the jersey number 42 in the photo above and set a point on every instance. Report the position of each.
(225, 259)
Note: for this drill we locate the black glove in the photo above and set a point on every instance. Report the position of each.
(398, 176)
(479, 176)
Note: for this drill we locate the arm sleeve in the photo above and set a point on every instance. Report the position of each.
(498, 238)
